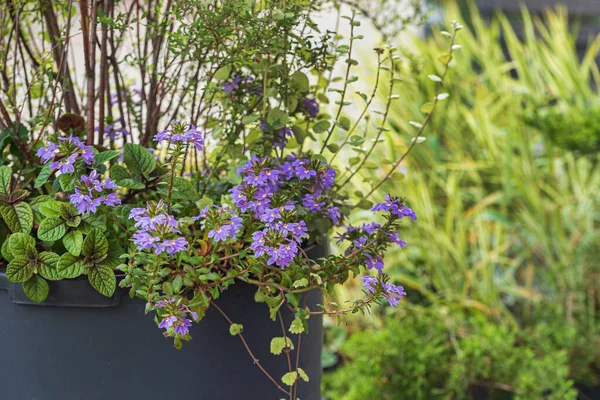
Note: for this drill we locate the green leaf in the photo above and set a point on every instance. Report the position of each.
(277, 119)
(248, 119)
(73, 242)
(303, 375)
(19, 270)
(365, 204)
(95, 246)
(118, 172)
(427, 108)
(51, 229)
(356, 140)
(332, 147)
(300, 82)
(36, 288)
(18, 244)
(67, 182)
(5, 179)
(50, 208)
(321, 126)
(130, 183)
(103, 279)
(69, 266)
(297, 326)
(184, 189)
(48, 265)
(18, 217)
(106, 156)
(138, 159)
(344, 123)
(279, 343)
(290, 378)
(235, 329)
(42, 177)
(5, 251)
(300, 283)
(445, 59)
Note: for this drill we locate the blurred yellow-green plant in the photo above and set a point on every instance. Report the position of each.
(509, 223)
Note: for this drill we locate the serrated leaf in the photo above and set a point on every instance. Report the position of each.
(19, 270)
(138, 159)
(95, 246)
(36, 288)
(42, 177)
(300, 283)
(130, 183)
(297, 326)
(67, 182)
(303, 375)
(69, 266)
(48, 265)
(279, 343)
(18, 217)
(184, 189)
(51, 229)
(73, 242)
(103, 279)
(118, 172)
(106, 156)
(235, 329)
(290, 378)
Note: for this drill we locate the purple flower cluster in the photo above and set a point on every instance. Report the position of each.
(223, 224)
(91, 193)
(72, 149)
(311, 107)
(279, 241)
(392, 292)
(234, 84)
(396, 207)
(181, 133)
(176, 321)
(157, 230)
(113, 133)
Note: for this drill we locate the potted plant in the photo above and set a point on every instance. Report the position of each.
(220, 217)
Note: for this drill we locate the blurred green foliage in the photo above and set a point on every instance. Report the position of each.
(502, 269)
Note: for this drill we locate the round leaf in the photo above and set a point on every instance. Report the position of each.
(73, 242)
(69, 266)
(19, 270)
(48, 265)
(36, 288)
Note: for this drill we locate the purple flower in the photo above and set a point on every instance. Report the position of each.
(313, 203)
(393, 293)
(395, 207)
(229, 87)
(181, 133)
(311, 107)
(173, 246)
(376, 263)
(395, 238)
(145, 241)
(47, 153)
(369, 283)
(167, 322)
(334, 214)
(303, 171)
(182, 326)
(65, 165)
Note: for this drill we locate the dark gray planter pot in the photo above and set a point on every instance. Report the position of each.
(82, 346)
